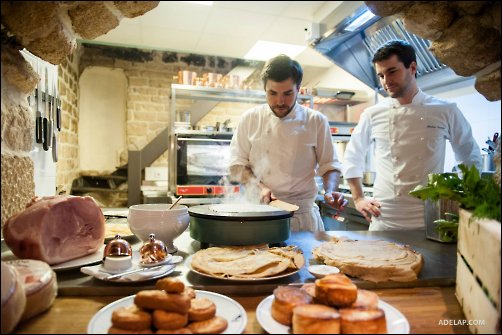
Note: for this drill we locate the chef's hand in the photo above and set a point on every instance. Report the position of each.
(266, 195)
(368, 208)
(336, 200)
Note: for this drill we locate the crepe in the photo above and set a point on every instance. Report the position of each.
(112, 229)
(247, 262)
(372, 260)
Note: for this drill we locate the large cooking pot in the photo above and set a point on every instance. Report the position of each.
(241, 228)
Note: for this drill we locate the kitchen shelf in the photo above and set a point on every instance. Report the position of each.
(224, 94)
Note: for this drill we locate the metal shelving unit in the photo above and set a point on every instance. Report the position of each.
(209, 94)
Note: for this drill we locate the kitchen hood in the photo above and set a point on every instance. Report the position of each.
(352, 41)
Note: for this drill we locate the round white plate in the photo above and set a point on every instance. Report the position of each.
(225, 307)
(396, 321)
(70, 265)
(188, 264)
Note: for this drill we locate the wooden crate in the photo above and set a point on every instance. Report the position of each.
(478, 272)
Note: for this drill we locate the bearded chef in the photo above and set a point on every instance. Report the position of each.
(409, 130)
(278, 147)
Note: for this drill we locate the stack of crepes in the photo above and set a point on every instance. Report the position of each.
(373, 260)
(248, 261)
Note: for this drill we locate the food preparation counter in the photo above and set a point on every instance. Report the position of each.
(429, 303)
(439, 267)
(428, 310)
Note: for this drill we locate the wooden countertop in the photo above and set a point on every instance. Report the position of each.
(429, 310)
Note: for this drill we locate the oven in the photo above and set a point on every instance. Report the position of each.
(199, 166)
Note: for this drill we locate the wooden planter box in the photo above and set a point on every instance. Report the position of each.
(478, 272)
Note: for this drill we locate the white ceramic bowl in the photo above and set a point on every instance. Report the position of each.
(158, 219)
(321, 270)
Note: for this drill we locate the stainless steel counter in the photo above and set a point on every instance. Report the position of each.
(439, 268)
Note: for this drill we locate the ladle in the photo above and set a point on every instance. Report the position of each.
(174, 203)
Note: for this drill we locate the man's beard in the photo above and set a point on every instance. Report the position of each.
(281, 106)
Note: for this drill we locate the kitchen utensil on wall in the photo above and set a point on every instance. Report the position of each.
(45, 121)
(38, 121)
(491, 144)
(58, 109)
(54, 138)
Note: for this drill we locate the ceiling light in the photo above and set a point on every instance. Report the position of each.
(264, 50)
(360, 20)
(205, 3)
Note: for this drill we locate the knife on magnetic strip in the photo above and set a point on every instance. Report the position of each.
(45, 122)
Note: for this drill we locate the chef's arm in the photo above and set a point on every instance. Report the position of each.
(367, 207)
(244, 175)
(332, 197)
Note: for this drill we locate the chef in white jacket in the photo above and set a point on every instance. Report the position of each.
(409, 130)
(278, 147)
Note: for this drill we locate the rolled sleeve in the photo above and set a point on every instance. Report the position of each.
(326, 154)
(355, 152)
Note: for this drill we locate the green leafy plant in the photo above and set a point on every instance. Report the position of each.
(447, 229)
(479, 194)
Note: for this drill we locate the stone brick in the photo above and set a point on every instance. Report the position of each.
(91, 19)
(137, 128)
(18, 186)
(18, 127)
(17, 71)
(56, 46)
(132, 9)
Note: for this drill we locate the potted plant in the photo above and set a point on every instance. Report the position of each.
(479, 239)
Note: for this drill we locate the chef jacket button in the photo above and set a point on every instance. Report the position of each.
(421, 138)
(398, 194)
(421, 118)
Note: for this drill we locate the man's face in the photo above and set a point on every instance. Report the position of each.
(395, 78)
(281, 96)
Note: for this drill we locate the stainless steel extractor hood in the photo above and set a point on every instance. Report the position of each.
(351, 41)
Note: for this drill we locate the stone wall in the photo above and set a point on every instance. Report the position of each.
(149, 77)
(49, 30)
(68, 166)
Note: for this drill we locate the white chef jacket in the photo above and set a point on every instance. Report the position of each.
(284, 154)
(410, 143)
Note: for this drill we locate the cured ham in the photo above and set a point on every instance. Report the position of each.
(56, 229)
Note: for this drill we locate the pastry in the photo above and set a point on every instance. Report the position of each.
(363, 321)
(201, 309)
(170, 285)
(366, 298)
(115, 330)
(189, 292)
(169, 320)
(214, 325)
(131, 318)
(335, 290)
(373, 260)
(285, 299)
(158, 299)
(315, 319)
